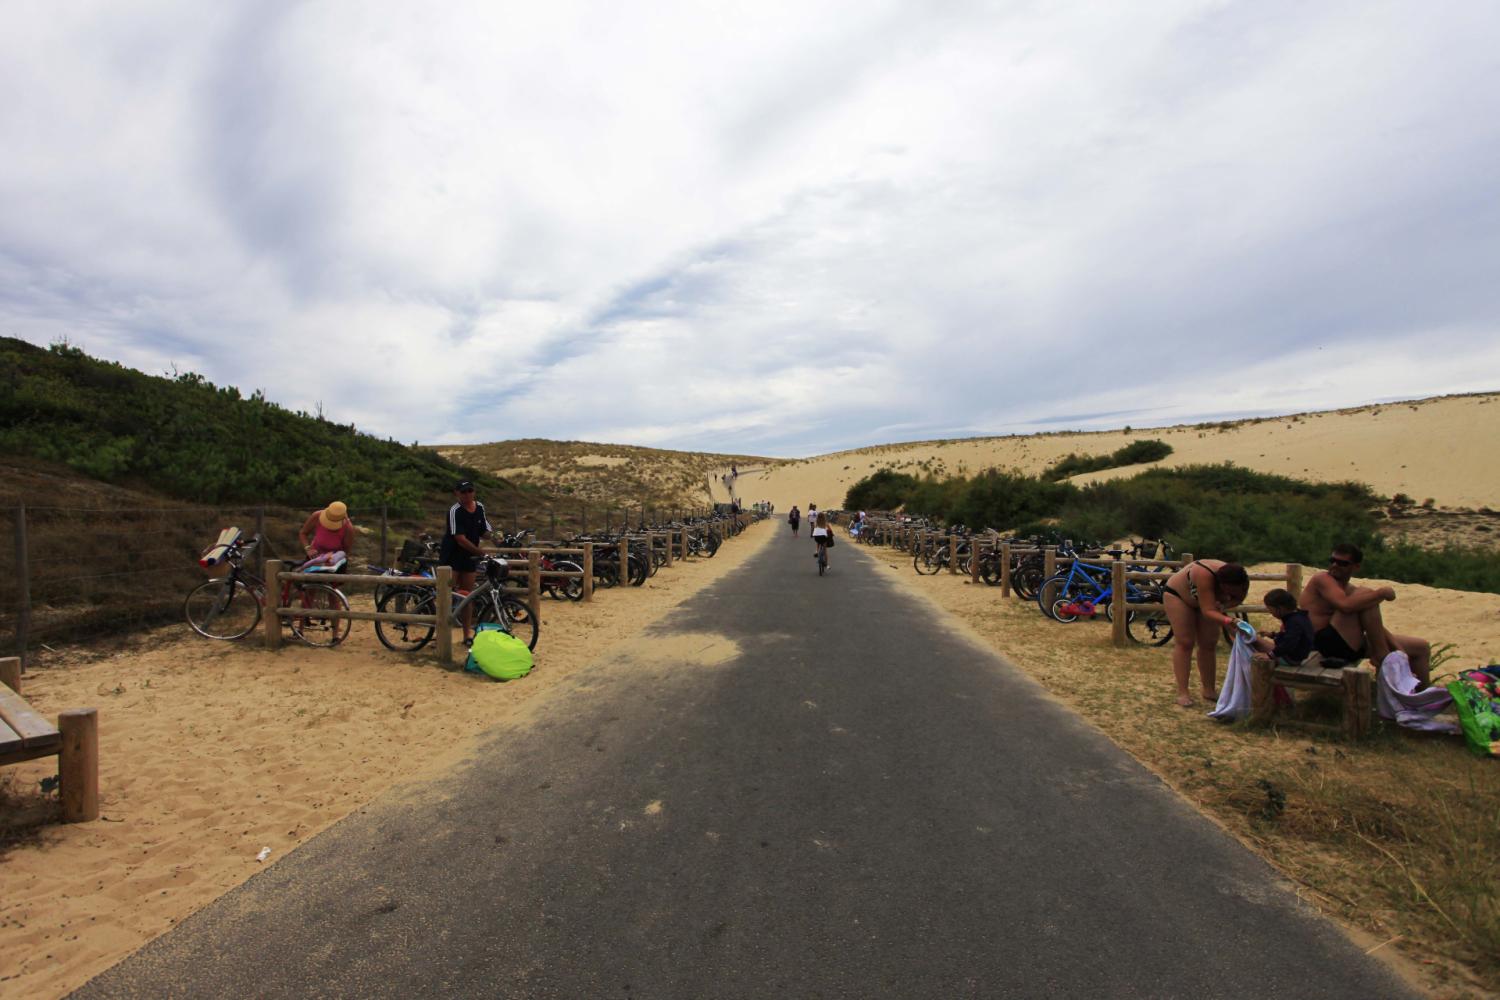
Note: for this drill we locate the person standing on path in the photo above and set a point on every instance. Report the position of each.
(822, 536)
(794, 519)
(465, 528)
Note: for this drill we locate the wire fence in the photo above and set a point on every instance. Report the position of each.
(70, 573)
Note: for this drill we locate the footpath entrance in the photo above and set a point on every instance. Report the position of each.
(793, 786)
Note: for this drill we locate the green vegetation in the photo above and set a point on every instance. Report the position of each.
(1134, 453)
(1222, 511)
(191, 439)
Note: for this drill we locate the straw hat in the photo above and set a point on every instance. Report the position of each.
(333, 516)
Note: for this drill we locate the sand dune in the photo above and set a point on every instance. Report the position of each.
(1442, 448)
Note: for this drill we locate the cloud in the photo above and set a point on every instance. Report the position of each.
(782, 228)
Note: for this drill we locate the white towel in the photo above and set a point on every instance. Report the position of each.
(1234, 696)
(1397, 696)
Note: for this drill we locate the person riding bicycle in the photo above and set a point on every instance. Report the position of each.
(326, 532)
(822, 535)
(464, 530)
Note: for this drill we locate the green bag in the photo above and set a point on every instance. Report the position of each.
(499, 654)
(1478, 715)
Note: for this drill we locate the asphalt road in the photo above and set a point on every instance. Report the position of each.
(791, 787)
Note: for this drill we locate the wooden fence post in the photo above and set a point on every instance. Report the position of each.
(260, 533)
(1294, 580)
(385, 548)
(273, 603)
(443, 611)
(10, 672)
(23, 587)
(953, 554)
(1005, 569)
(684, 542)
(668, 536)
(588, 571)
(974, 559)
(78, 764)
(534, 583)
(1049, 561)
(1117, 601)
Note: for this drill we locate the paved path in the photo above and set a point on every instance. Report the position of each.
(793, 787)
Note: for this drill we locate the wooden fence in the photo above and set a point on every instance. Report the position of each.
(1123, 569)
(526, 574)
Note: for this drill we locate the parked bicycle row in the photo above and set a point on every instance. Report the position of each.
(497, 579)
(1068, 580)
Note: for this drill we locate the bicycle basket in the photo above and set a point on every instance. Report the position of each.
(497, 570)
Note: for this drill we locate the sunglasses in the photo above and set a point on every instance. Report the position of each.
(1336, 561)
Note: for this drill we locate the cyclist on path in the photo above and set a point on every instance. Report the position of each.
(822, 535)
(465, 528)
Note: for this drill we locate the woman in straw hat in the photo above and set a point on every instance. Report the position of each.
(327, 530)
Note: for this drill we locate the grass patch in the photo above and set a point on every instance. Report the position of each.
(1398, 835)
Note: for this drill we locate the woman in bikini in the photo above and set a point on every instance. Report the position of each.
(1195, 597)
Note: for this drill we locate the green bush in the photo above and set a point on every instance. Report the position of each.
(1135, 453)
(191, 439)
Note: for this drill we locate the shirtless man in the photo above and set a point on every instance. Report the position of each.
(1347, 618)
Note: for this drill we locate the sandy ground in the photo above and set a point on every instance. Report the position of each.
(210, 752)
(1406, 793)
(1438, 448)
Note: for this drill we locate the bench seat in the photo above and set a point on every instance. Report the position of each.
(1355, 685)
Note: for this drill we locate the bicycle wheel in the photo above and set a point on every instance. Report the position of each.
(570, 588)
(1054, 591)
(522, 623)
(405, 637)
(822, 562)
(313, 628)
(1149, 628)
(926, 563)
(222, 609)
(1025, 580)
(989, 570)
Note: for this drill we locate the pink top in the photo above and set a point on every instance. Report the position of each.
(325, 540)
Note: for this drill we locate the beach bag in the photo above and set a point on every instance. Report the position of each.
(1478, 715)
(829, 536)
(498, 654)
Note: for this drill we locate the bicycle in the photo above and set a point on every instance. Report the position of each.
(231, 607)
(822, 559)
(490, 604)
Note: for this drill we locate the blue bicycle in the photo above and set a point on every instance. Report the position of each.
(1083, 590)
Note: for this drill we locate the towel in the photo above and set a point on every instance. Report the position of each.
(1397, 697)
(1234, 696)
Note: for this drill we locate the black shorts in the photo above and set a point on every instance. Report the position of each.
(1327, 641)
(461, 562)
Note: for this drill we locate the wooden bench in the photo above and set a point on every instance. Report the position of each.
(25, 735)
(1355, 684)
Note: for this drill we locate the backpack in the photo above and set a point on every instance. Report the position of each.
(1476, 695)
(498, 654)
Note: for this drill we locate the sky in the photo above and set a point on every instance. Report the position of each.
(773, 228)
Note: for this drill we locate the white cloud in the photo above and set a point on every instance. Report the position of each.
(782, 228)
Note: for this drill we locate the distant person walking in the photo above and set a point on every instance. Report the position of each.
(794, 519)
(327, 531)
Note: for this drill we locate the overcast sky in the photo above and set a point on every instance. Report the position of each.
(772, 228)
